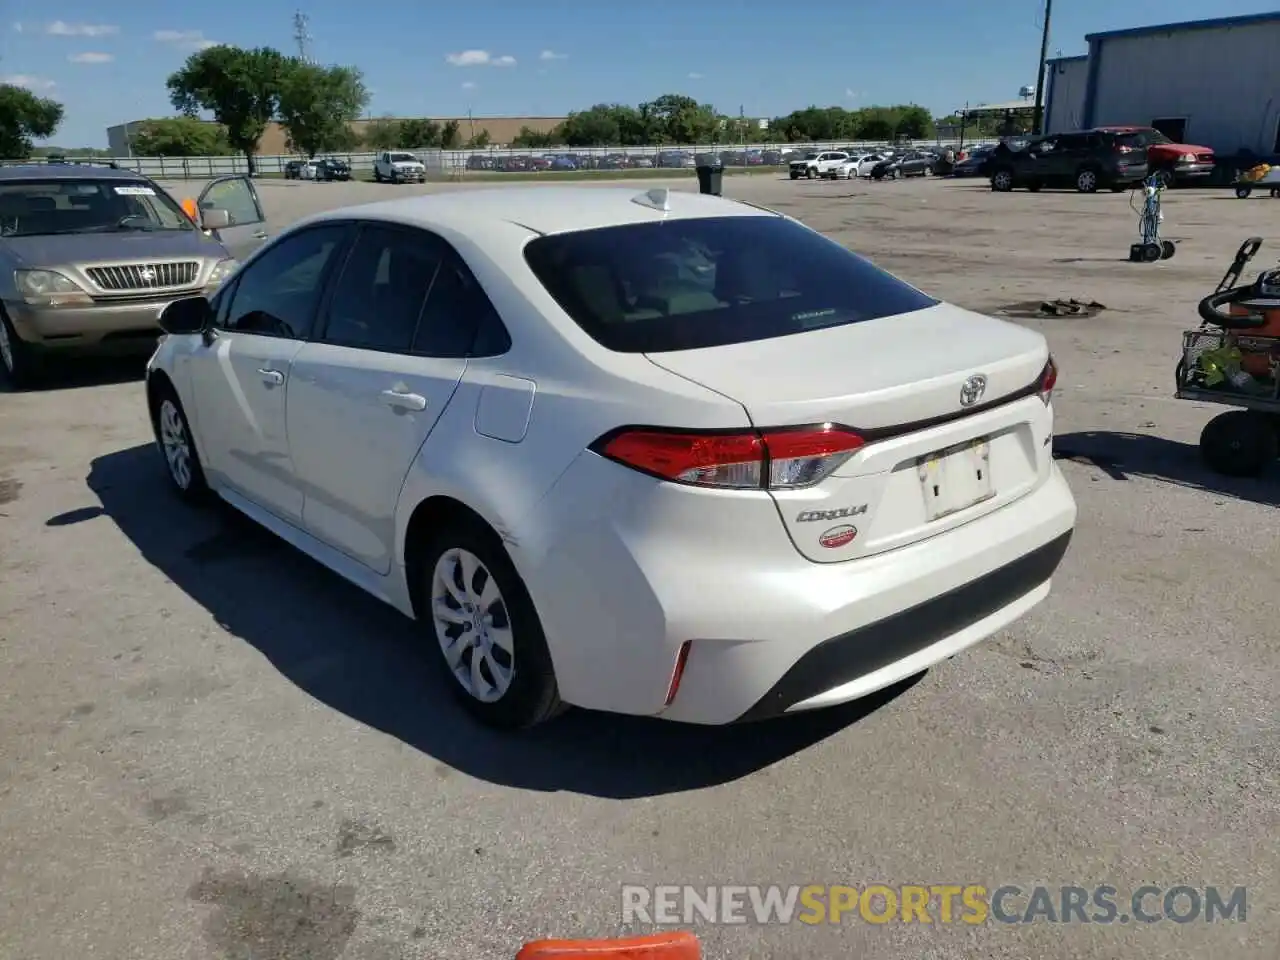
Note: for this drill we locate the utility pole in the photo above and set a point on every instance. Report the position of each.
(1038, 123)
(302, 36)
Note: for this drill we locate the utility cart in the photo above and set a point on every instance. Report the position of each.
(1233, 359)
(1262, 177)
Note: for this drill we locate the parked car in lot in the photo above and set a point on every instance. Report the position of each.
(331, 168)
(817, 164)
(89, 256)
(1175, 163)
(913, 163)
(293, 169)
(530, 440)
(398, 166)
(858, 165)
(975, 162)
(1087, 161)
(479, 161)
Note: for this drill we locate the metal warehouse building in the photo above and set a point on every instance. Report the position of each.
(1209, 82)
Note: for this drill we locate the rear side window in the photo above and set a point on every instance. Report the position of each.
(687, 284)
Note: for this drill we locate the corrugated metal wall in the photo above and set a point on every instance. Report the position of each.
(1065, 112)
(1225, 81)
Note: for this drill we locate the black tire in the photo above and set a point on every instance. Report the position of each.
(1167, 249)
(1002, 181)
(794, 175)
(20, 363)
(1151, 252)
(1087, 180)
(1239, 443)
(1166, 179)
(532, 696)
(1243, 193)
(811, 173)
(193, 488)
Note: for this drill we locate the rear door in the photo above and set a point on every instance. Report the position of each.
(247, 227)
(366, 393)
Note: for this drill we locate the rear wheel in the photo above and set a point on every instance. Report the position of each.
(486, 628)
(377, 175)
(1240, 443)
(812, 173)
(1087, 180)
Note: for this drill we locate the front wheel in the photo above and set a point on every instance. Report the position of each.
(928, 171)
(486, 628)
(177, 446)
(812, 173)
(20, 361)
(1002, 181)
(1243, 192)
(1087, 181)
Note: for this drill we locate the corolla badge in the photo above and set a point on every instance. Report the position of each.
(973, 389)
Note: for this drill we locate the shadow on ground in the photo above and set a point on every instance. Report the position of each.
(366, 660)
(1123, 456)
(72, 373)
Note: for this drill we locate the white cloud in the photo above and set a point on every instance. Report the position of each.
(851, 94)
(695, 76)
(552, 55)
(60, 28)
(17, 28)
(28, 81)
(184, 39)
(468, 85)
(91, 57)
(478, 58)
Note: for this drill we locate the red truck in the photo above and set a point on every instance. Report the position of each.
(1176, 163)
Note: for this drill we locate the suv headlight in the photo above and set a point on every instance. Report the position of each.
(48, 288)
(221, 270)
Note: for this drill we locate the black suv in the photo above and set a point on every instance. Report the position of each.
(1086, 160)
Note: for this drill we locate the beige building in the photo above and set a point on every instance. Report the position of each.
(274, 141)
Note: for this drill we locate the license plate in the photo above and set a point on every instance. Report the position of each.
(956, 478)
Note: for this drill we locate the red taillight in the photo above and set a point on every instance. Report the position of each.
(1123, 149)
(677, 674)
(1048, 380)
(747, 460)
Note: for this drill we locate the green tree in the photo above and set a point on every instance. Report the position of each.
(478, 141)
(419, 134)
(179, 137)
(240, 88)
(675, 118)
(317, 105)
(25, 117)
(451, 135)
(382, 134)
(914, 123)
(537, 139)
(594, 127)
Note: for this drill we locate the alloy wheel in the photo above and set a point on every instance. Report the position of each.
(6, 347)
(174, 443)
(472, 625)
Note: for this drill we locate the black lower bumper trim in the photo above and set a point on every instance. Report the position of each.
(865, 650)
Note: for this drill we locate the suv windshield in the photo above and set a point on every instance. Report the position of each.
(32, 208)
(686, 284)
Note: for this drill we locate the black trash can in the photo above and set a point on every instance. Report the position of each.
(709, 178)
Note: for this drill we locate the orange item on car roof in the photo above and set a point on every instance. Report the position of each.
(663, 946)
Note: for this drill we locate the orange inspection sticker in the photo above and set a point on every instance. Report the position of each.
(679, 945)
(189, 208)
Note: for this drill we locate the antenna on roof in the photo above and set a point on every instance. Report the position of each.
(656, 199)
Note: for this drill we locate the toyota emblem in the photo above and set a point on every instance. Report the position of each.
(973, 390)
(147, 274)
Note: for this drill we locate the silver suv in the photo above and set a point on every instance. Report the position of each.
(90, 256)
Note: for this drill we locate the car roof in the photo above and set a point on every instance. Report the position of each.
(543, 210)
(66, 171)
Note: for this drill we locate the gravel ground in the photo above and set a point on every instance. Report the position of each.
(212, 748)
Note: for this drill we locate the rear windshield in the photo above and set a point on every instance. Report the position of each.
(686, 284)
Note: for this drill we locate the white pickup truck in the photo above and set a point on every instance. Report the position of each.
(816, 165)
(398, 166)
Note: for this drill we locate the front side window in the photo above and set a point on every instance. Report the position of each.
(278, 292)
(33, 208)
(237, 198)
(686, 284)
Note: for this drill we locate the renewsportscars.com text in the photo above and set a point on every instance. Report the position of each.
(970, 904)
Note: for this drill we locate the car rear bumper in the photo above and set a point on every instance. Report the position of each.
(104, 325)
(625, 583)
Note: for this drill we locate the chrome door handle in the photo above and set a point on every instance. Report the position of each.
(404, 401)
(273, 377)
(260, 235)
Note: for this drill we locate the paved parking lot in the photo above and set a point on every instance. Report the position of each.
(212, 748)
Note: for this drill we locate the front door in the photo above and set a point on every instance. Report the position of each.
(365, 395)
(240, 376)
(247, 225)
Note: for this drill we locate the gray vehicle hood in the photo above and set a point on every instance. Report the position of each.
(41, 251)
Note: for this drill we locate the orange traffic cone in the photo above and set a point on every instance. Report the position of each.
(680, 945)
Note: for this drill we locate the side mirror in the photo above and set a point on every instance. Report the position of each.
(188, 315)
(215, 219)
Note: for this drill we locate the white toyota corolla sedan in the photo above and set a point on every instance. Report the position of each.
(656, 453)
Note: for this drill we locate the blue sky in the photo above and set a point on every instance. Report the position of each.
(108, 62)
